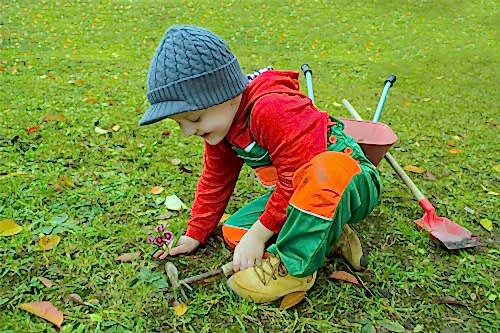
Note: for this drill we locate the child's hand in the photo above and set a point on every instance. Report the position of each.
(248, 252)
(250, 249)
(185, 244)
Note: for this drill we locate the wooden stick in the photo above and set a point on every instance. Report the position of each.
(227, 269)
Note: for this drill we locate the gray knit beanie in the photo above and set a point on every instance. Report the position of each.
(191, 69)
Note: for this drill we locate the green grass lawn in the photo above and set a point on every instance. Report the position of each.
(87, 61)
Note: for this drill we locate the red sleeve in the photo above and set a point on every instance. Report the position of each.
(293, 131)
(215, 186)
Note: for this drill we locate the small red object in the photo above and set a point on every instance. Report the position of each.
(332, 139)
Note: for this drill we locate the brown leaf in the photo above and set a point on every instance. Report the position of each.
(128, 257)
(156, 189)
(344, 276)
(455, 150)
(75, 298)
(89, 99)
(46, 282)
(166, 133)
(449, 300)
(65, 180)
(79, 83)
(180, 308)
(51, 117)
(292, 299)
(44, 310)
(414, 169)
(32, 129)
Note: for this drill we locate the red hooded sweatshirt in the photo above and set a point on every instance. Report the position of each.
(285, 123)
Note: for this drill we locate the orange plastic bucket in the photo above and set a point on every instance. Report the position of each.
(374, 138)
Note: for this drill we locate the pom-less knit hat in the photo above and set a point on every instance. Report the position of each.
(191, 69)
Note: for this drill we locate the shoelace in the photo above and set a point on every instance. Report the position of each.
(266, 275)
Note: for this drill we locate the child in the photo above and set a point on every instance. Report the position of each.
(320, 179)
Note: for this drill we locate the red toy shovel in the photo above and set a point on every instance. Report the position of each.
(452, 235)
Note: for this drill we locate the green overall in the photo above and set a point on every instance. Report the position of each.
(320, 206)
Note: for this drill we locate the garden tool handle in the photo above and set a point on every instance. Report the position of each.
(227, 269)
(387, 85)
(308, 74)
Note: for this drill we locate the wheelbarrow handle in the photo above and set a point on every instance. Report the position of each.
(308, 74)
(387, 85)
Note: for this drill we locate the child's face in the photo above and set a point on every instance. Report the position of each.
(212, 124)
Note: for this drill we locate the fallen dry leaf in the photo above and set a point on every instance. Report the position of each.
(292, 299)
(452, 143)
(90, 99)
(9, 228)
(165, 133)
(414, 169)
(486, 224)
(128, 257)
(449, 300)
(156, 189)
(174, 203)
(180, 308)
(65, 180)
(44, 310)
(51, 117)
(344, 276)
(46, 243)
(175, 161)
(75, 299)
(100, 131)
(32, 129)
(455, 150)
(46, 282)
(115, 128)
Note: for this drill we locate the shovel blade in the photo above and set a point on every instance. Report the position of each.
(452, 235)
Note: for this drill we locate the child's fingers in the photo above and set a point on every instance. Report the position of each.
(183, 248)
(158, 254)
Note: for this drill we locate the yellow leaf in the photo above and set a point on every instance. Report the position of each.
(414, 169)
(115, 128)
(9, 228)
(90, 99)
(487, 224)
(455, 150)
(46, 243)
(292, 299)
(452, 143)
(44, 310)
(180, 308)
(156, 189)
(65, 181)
(497, 168)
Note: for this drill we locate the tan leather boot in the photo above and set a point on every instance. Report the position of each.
(268, 281)
(349, 247)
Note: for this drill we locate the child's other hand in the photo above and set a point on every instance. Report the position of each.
(185, 244)
(248, 252)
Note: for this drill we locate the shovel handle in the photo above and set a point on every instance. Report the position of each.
(308, 74)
